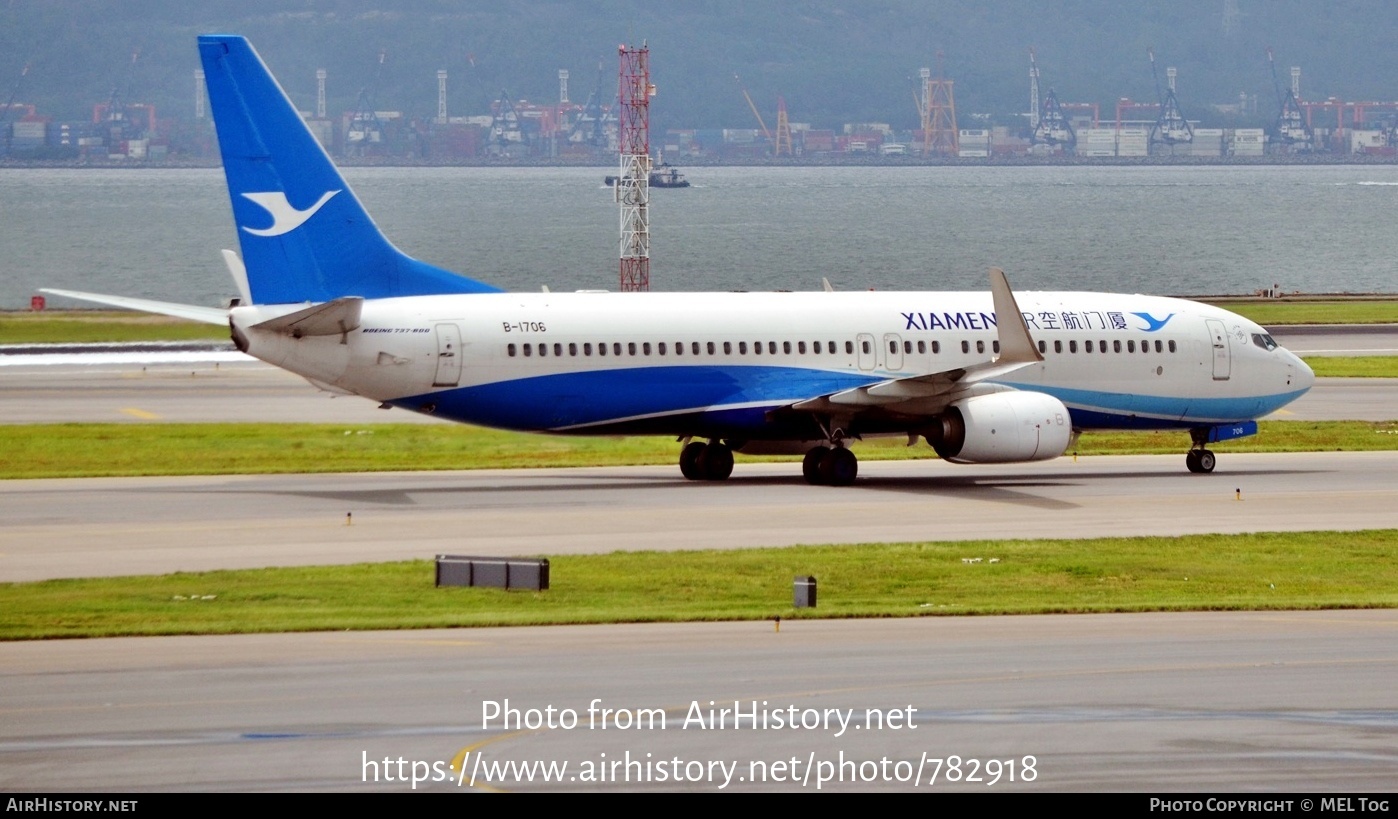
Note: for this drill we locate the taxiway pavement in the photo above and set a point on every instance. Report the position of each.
(1219, 702)
(123, 526)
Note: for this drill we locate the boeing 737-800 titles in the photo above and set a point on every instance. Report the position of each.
(983, 377)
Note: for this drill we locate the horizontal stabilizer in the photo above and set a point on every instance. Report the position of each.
(193, 312)
(332, 318)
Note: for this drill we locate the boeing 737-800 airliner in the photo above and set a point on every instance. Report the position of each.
(983, 377)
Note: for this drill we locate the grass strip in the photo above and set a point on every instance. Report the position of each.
(1364, 366)
(117, 450)
(93, 326)
(1290, 570)
(1273, 313)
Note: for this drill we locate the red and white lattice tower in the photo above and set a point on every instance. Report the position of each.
(633, 184)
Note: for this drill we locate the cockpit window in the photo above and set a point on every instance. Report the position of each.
(1264, 341)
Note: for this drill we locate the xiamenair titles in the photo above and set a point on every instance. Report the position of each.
(1067, 320)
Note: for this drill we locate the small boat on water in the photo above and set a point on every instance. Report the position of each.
(662, 176)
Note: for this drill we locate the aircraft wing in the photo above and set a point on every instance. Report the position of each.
(930, 392)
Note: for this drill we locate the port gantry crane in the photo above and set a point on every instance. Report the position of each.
(1171, 127)
(9, 106)
(1290, 125)
(1050, 126)
(590, 126)
(365, 130)
(781, 143)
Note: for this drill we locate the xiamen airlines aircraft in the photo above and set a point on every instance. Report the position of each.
(983, 377)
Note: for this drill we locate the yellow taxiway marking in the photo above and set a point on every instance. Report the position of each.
(459, 762)
(144, 415)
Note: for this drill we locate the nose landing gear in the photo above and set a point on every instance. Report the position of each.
(1200, 461)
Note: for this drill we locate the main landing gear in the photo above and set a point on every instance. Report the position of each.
(1200, 460)
(830, 466)
(706, 462)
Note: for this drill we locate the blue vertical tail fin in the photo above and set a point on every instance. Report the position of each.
(304, 234)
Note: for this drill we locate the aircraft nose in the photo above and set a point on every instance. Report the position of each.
(1302, 376)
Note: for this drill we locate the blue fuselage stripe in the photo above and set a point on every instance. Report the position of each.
(740, 396)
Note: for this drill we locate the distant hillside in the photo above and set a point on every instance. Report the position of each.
(834, 61)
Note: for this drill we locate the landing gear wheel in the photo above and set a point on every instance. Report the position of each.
(689, 460)
(838, 468)
(1191, 460)
(1200, 461)
(716, 462)
(810, 467)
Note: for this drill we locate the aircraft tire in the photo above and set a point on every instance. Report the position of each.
(690, 457)
(839, 467)
(1191, 460)
(716, 462)
(1207, 461)
(810, 465)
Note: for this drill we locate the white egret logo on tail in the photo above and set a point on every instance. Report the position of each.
(285, 218)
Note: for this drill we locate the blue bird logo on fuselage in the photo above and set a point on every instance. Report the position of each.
(1153, 323)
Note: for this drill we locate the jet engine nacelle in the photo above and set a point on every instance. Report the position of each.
(1004, 427)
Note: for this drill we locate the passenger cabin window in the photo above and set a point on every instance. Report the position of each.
(1073, 346)
(528, 351)
(849, 347)
(936, 347)
(711, 348)
(645, 348)
(616, 348)
(816, 348)
(1043, 346)
(1058, 346)
(572, 348)
(965, 346)
(1172, 345)
(742, 348)
(865, 346)
(801, 347)
(694, 348)
(543, 350)
(510, 350)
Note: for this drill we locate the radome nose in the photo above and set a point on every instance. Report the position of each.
(1303, 377)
